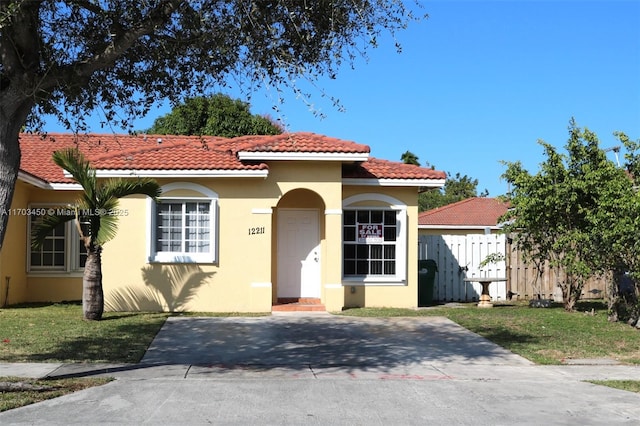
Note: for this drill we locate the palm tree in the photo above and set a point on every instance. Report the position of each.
(94, 209)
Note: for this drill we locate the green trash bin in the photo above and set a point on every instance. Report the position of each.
(426, 280)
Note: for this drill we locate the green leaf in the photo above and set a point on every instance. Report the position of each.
(46, 224)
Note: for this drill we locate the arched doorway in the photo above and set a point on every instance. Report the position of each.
(299, 222)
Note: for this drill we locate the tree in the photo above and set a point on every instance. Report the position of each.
(216, 115)
(564, 215)
(455, 189)
(97, 209)
(71, 57)
(410, 158)
(617, 221)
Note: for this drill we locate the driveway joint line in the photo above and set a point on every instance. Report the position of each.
(315, 376)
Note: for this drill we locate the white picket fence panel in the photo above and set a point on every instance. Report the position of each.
(458, 257)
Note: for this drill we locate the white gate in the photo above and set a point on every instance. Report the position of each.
(459, 257)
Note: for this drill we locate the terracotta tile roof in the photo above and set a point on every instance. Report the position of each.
(182, 156)
(297, 142)
(478, 211)
(375, 168)
(170, 152)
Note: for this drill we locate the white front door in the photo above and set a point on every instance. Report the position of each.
(298, 253)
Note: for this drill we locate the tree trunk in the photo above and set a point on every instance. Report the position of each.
(92, 294)
(571, 292)
(614, 300)
(13, 114)
(623, 299)
(9, 167)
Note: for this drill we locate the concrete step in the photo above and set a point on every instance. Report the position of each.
(303, 304)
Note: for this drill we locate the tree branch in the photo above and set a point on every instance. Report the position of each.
(80, 71)
(90, 6)
(20, 53)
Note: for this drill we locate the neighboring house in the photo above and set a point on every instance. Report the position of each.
(459, 237)
(477, 215)
(243, 224)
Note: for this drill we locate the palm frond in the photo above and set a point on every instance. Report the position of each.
(46, 224)
(105, 226)
(72, 160)
(98, 203)
(118, 188)
(104, 222)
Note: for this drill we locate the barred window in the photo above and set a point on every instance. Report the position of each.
(53, 253)
(369, 238)
(184, 229)
(61, 250)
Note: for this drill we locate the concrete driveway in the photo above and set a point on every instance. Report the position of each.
(328, 370)
(322, 340)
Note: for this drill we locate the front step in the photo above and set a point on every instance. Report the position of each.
(298, 304)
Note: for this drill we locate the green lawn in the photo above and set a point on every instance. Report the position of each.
(542, 335)
(57, 332)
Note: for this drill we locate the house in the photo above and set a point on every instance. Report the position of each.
(459, 237)
(245, 224)
(476, 215)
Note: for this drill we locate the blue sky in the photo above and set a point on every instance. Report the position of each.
(479, 82)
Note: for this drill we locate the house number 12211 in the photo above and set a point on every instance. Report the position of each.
(256, 231)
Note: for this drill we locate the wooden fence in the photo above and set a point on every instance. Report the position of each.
(459, 256)
(527, 282)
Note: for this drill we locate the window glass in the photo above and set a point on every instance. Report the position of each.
(369, 242)
(183, 228)
(52, 254)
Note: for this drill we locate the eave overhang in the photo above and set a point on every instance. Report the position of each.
(301, 156)
(425, 183)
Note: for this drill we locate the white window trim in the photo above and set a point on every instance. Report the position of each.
(72, 248)
(179, 257)
(400, 277)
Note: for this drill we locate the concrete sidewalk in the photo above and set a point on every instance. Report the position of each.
(420, 371)
(416, 371)
(330, 370)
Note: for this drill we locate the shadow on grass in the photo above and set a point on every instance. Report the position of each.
(588, 305)
(104, 341)
(508, 338)
(121, 315)
(31, 305)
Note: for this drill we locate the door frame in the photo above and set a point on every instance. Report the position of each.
(317, 267)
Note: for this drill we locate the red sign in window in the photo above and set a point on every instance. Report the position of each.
(370, 233)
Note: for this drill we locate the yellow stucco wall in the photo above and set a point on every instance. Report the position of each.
(244, 276)
(13, 276)
(401, 295)
(52, 286)
(33, 286)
